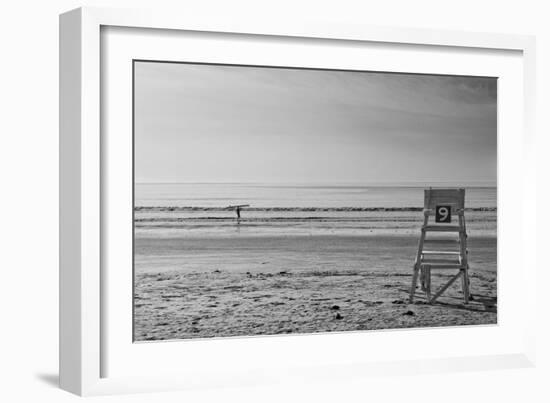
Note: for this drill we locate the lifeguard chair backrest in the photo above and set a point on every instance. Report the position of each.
(453, 197)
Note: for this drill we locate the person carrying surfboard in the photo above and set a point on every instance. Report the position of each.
(237, 209)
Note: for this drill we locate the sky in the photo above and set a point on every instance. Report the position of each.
(209, 123)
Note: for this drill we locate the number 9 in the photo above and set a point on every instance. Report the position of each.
(443, 212)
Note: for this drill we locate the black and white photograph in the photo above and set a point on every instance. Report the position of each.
(279, 200)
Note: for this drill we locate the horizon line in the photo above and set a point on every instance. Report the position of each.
(417, 183)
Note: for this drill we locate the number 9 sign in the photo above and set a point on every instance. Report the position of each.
(443, 214)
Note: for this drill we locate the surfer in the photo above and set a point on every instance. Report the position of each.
(237, 209)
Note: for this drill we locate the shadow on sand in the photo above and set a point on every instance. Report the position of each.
(489, 303)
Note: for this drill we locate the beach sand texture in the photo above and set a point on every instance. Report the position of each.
(201, 274)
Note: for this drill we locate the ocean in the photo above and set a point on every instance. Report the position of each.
(299, 196)
(200, 210)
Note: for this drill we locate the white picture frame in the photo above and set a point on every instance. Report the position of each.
(83, 181)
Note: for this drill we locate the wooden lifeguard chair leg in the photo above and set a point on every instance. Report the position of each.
(467, 294)
(428, 281)
(425, 276)
(417, 262)
(414, 281)
(464, 259)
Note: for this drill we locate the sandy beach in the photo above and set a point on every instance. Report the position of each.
(273, 200)
(211, 283)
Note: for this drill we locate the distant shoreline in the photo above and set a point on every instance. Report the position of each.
(412, 185)
(297, 209)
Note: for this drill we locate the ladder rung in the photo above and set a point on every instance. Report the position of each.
(440, 252)
(442, 228)
(438, 266)
(437, 261)
(441, 241)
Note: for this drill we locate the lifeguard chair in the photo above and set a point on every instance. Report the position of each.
(446, 206)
